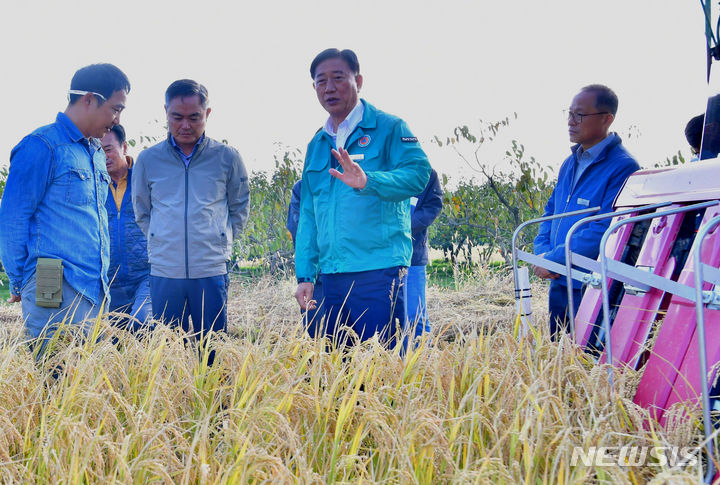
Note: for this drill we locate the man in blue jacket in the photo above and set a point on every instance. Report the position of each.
(425, 208)
(54, 237)
(129, 272)
(360, 171)
(591, 176)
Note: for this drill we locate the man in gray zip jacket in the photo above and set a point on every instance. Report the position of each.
(191, 199)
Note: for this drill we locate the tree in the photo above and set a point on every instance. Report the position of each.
(486, 215)
(677, 159)
(265, 239)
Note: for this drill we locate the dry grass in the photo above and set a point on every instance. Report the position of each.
(469, 405)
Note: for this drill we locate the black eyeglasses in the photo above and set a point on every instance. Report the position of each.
(578, 117)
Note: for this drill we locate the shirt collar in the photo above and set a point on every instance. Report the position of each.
(175, 145)
(72, 130)
(350, 122)
(130, 162)
(596, 149)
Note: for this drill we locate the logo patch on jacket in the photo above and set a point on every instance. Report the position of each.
(364, 141)
(408, 139)
(582, 201)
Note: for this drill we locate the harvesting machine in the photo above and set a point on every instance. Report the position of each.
(659, 262)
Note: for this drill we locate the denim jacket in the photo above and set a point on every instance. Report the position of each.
(54, 207)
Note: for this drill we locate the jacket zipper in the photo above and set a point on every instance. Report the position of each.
(333, 197)
(118, 242)
(567, 202)
(568, 199)
(201, 148)
(601, 157)
(187, 257)
(332, 215)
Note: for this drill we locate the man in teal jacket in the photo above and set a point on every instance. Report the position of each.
(360, 171)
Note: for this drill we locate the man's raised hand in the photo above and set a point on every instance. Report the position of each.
(352, 175)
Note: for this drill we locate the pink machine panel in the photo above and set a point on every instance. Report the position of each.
(591, 304)
(692, 182)
(686, 386)
(676, 334)
(672, 371)
(637, 312)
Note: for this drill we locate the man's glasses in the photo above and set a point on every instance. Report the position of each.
(83, 93)
(578, 117)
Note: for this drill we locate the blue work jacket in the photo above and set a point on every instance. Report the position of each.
(128, 246)
(427, 208)
(293, 215)
(345, 230)
(54, 207)
(598, 185)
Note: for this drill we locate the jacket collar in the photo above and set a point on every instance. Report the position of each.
(200, 143)
(199, 147)
(369, 116)
(603, 154)
(369, 121)
(128, 174)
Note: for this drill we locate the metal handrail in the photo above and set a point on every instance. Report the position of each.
(700, 322)
(538, 220)
(568, 252)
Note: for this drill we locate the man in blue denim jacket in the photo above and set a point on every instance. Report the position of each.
(591, 176)
(54, 202)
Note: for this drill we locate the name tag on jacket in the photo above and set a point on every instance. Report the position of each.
(584, 202)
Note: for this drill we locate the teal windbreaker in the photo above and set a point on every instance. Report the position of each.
(345, 230)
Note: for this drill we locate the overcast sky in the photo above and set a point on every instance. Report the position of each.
(435, 64)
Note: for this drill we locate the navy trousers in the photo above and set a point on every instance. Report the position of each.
(132, 299)
(558, 305)
(175, 301)
(369, 302)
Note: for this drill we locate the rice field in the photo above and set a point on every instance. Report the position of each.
(471, 404)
